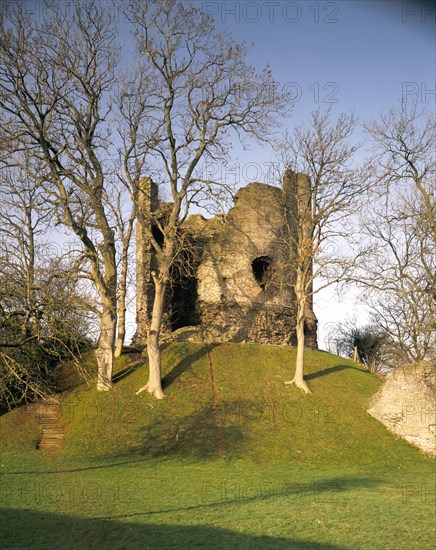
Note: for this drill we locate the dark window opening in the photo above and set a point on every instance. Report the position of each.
(262, 271)
(157, 235)
(183, 304)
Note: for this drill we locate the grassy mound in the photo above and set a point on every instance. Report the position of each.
(227, 401)
(232, 457)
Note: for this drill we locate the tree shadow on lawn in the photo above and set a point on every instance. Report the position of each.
(187, 361)
(177, 370)
(203, 434)
(28, 529)
(331, 370)
(130, 369)
(222, 493)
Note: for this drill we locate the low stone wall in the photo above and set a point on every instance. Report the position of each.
(406, 405)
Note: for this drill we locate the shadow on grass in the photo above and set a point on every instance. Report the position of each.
(210, 432)
(73, 470)
(130, 369)
(180, 367)
(25, 529)
(218, 494)
(203, 434)
(330, 370)
(186, 363)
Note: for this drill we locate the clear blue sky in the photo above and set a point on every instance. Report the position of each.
(352, 54)
(369, 48)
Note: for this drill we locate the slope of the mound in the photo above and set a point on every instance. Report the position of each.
(227, 401)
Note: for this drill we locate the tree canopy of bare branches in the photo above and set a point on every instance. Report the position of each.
(56, 76)
(41, 322)
(399, 271)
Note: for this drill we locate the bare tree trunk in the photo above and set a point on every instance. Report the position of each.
(31, 321)
(355, 355)
(298, 379)
(121, 335)
(154, 384)
(122, 306)
(105, 350)
(126, 235)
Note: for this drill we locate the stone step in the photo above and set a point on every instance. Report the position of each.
(53, 429)
(51, 426)
(42, 417)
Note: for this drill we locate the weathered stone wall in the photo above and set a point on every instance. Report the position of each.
(148, 203)
(244, 278)
(256, 323)
(233, 304)
(406, 405)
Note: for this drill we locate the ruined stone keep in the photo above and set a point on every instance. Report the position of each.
(238, 281)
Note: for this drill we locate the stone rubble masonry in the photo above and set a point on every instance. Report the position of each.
(232, 299)
(406, 405)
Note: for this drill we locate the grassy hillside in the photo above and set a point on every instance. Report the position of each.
(231, 457)
(228, 401)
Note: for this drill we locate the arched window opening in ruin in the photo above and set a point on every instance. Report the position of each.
(262, 271)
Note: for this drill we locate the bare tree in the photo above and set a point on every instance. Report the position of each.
(366, 344)
(40, 318)
(28, 362)
(124, 222)
(197, 86)
(399, 272)
(327, 191)
(23, 220)
(55, 80)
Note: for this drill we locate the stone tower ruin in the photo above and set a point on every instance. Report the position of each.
(239, 286)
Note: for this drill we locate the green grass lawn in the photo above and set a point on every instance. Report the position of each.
(231, 458)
